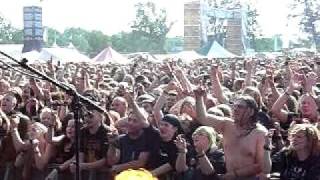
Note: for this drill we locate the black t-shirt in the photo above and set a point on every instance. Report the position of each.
(149, 141)
(94, 146)
(64, 151)
(290, 167)
(168, 153)
(216, 158)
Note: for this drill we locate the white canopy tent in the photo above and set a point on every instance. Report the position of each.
(64, 55)
(109, 55)
(217, 51)
(32, 57)
(187, 56)
(145, 55)
(13, 50)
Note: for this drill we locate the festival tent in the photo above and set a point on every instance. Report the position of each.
(187, 56)
(109, 55)
(13, 50)
(64, 55)
(32, 57)
(55, 53)
(217, 51)
(144, 55)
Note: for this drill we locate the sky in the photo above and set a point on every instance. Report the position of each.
(112, 16)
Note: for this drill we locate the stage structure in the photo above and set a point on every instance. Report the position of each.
(204, 23)
(33, 30)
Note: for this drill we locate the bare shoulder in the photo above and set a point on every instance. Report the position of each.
(228, 121)
(260, 129)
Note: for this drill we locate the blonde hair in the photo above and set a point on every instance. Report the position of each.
(42, 129)
(312, 134)
(209, 132)
(58, 123)
(140, 174)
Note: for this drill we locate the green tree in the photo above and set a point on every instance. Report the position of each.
(266, 44)
(253, 28)
(307, 12)
(174, 44)
(150, 28)
(55, 36)
(97, 42)
(9, 34)
(78, 37)
(17, 36)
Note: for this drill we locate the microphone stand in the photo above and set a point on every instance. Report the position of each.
(77, 101)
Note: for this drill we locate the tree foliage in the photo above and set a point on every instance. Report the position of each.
(308, 15)
(252, 25)
(266, 44)
(148, 33)
(9, 34)
(150, 27)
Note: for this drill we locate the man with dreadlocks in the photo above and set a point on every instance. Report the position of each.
(244, 141)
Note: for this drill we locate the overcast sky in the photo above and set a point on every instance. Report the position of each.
(112, 16)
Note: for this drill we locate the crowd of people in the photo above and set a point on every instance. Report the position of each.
(230, 119)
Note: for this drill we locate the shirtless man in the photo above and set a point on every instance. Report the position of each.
(243, 139)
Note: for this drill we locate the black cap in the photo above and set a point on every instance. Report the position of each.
(174, 121)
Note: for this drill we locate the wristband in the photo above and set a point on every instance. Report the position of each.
(200, 155)
(182, 151)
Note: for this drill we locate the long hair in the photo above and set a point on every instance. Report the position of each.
(255, 93)
(251, 103)
(312, 134)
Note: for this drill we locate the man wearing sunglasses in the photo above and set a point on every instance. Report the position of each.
(93, 142)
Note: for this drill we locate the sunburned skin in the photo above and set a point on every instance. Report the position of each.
(243, 151)
(243, 139)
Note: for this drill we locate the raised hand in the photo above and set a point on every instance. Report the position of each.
(214, 70)
(113, 136)
(35, 143)
(50, 66)
(200, 91)
(295, 80)
(178, 71)
(311, 80)
(46, 95)
(181, 143)
(129, 96)
(249, 65)
(270, 77)
(99, 76)
(233, 65)
(14, 122)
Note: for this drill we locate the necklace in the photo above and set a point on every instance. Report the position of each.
(246, 132)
